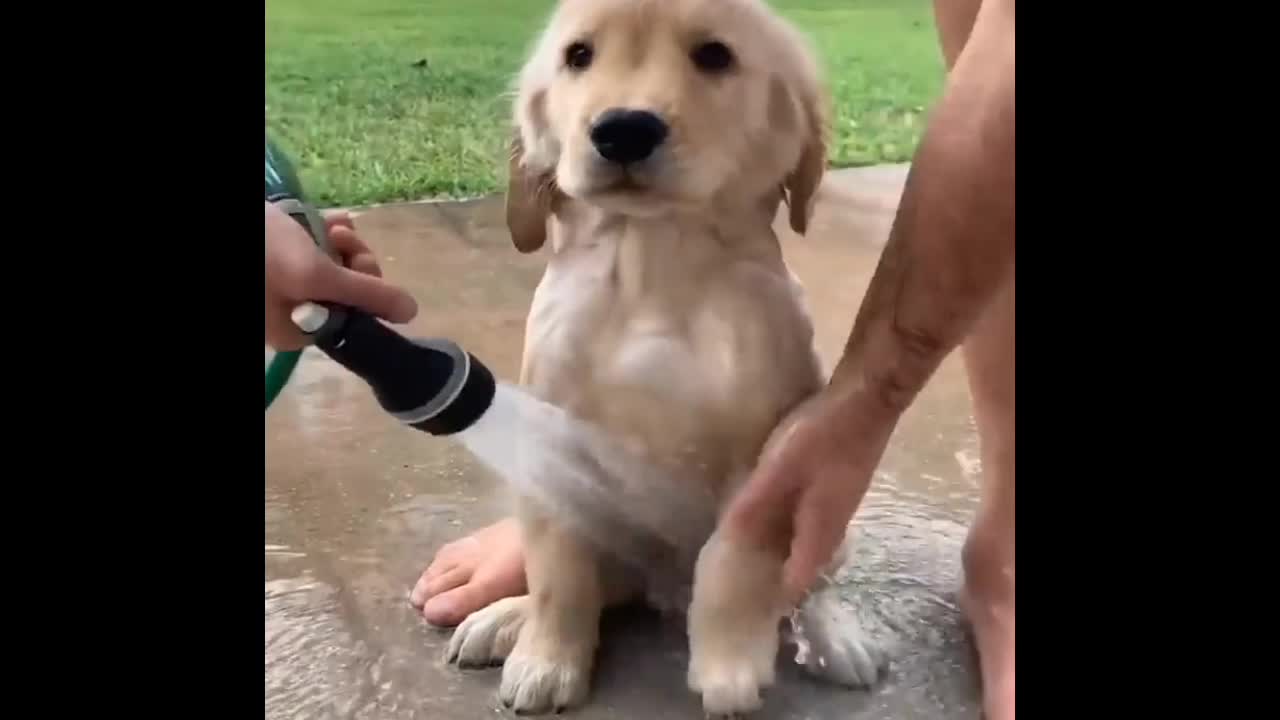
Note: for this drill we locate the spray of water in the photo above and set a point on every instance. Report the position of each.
(639, 512)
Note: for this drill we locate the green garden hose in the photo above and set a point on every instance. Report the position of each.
(284, 191)
(278, 372)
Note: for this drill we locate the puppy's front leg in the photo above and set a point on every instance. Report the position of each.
(550, 666)
(733, 624)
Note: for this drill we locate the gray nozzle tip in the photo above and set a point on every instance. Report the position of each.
(309, 317)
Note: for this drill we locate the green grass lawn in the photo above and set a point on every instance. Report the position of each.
(382, 100)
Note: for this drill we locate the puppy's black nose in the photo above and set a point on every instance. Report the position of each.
(627, 136)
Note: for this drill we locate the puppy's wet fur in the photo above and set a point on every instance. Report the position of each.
(654, 142)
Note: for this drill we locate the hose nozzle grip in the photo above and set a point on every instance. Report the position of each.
(432, 385)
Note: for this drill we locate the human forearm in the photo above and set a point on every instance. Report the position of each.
(952, 244)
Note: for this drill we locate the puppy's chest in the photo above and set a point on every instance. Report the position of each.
(590, 328)
(694, 340)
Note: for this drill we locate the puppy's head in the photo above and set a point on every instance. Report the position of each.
(649, 106)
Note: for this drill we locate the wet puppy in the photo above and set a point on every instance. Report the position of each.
(656, 141)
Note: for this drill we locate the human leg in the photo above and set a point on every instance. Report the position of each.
(988, 595)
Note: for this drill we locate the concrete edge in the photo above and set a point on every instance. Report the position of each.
(885, 173)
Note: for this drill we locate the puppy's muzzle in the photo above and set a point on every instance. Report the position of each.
(625, 136)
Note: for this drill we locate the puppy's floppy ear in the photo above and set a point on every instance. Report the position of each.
(531, 199)
(801, 184)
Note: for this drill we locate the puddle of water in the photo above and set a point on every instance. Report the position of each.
(320, 651)
(314, 667)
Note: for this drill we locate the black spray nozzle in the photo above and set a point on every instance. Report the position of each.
(432, 385)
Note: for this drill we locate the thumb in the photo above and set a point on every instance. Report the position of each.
(369, 293)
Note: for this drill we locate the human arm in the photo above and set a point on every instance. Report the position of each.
(950, 250)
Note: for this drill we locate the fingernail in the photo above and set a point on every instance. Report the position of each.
(408, 308)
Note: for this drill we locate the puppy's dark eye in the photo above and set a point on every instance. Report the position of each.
(712, 57)
(578, 56)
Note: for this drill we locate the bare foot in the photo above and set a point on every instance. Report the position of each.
(988, 601)
(469, 574)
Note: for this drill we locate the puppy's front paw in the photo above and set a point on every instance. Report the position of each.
(730, 666)
(487, 636)
(546, 674)
(733, 625)
(832, 646)
(537, 684)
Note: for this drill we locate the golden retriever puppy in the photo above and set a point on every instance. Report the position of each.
(656, 142)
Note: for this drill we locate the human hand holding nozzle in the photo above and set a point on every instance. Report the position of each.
(324, 288)
(298, 271)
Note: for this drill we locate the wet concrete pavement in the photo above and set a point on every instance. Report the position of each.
(357, 506)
